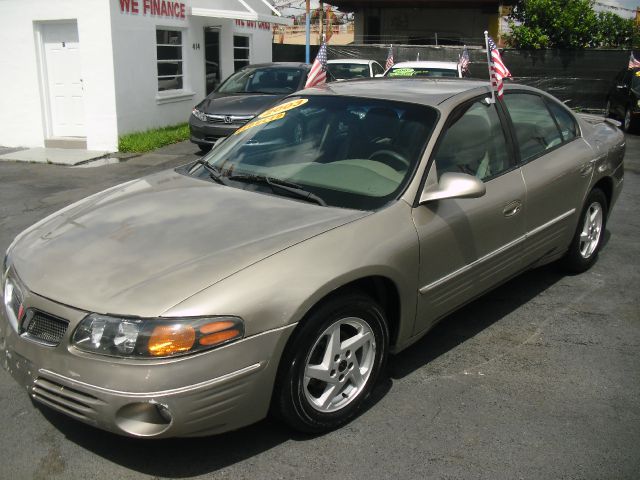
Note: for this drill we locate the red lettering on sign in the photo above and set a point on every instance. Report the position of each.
(166, 8)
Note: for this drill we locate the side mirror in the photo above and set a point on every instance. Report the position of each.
(454, 185)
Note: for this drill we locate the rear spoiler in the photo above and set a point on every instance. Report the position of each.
(596, 119)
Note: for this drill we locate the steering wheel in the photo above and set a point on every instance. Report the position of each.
(391, 158)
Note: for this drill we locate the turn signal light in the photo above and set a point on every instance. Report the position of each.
(218, 332)
(171, 339)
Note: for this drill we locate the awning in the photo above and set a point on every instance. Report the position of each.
(247, 13)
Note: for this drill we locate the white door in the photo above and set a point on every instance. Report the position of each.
(64, 78)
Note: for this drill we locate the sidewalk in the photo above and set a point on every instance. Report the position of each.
(92, 158)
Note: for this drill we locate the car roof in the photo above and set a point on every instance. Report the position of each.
(359, 61)
(426, 91)
(426, 64)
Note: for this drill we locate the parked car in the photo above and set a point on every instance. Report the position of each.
(240, 97)
(349, 68)
(623, 99)
(424, 69)
(278, 272)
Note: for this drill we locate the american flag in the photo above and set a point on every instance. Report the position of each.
(390, 61)
(318, 73)
(633, 63)
(463, 61)
(498, 69)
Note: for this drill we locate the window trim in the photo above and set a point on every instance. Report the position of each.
(249, 49)
(173, 91)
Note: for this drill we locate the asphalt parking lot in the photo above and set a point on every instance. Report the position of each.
(540, 379)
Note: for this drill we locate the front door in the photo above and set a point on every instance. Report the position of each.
(469, 245)
(64, 79)
(211, 59)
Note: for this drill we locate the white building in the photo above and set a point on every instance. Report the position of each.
(92, 70)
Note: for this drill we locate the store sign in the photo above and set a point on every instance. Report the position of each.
(253, 24)
(159, 8)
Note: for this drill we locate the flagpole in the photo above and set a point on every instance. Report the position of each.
(486, 45)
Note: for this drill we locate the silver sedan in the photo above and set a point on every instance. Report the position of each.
(278, 273)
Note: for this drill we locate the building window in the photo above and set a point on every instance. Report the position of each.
(169, 53)
(240, 52)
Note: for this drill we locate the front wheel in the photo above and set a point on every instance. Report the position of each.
(587, 240)
(331, 364)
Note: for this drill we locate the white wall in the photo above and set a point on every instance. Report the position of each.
(140, 106)
(22, 115)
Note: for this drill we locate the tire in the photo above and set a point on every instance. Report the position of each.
(629, 124)
(587, 241)
(322, 385)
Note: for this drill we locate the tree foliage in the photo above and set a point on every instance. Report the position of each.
(569, 24)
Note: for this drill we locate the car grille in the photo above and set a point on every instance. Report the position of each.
(229, 119)
(65, 399)
(44, 328)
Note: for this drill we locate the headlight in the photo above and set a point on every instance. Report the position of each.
(199, 115)
(155, 337)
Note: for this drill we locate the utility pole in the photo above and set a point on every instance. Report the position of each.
(321, 23)
(308, 32)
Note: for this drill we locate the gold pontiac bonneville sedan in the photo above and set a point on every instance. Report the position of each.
(277, 273)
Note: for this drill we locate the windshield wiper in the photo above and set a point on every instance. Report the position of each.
(214, 172)
(275, 183)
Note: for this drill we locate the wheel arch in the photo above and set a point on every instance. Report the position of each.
(606, 186)
(380, 288)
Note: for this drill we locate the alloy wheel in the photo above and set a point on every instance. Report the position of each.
(591, 230)
(339, 364)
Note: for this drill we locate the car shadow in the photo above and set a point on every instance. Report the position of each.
(473, 318)
(187, 457)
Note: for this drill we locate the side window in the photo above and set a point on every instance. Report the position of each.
(474, 143)
(377, 69)
(568, 126)
(536, 130)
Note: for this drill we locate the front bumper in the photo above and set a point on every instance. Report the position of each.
(205, 133)
(202, 394)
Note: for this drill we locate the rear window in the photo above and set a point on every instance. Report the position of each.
(271, 80)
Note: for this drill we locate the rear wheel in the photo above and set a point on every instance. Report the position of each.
(331, 364)
(587, 240)
(628, 122)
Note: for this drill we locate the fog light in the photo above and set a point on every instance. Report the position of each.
(144, 419)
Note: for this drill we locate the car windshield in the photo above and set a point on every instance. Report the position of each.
(274, 80)
(343, 151)
(345, 71)
(422, 72)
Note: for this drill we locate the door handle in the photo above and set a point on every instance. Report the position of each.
(512, 208)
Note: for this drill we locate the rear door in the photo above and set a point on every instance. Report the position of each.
(467, 246)
(556, 166)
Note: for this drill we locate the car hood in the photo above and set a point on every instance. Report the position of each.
(225, 104)
(142, 247)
